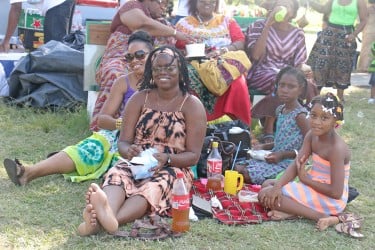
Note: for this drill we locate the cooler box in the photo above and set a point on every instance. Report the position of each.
(30, 28)
(8, 60)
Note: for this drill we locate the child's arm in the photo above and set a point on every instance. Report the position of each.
(337, 155)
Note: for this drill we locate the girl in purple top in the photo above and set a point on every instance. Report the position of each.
(93, 156)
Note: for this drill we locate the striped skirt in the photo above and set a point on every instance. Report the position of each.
(310, 198)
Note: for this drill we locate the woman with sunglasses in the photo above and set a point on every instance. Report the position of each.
(220, 35)
(93, 156)
(146, 15)
(159, 116)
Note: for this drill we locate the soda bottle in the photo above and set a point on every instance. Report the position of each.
(214, 168)
(180, 205)
(280, 15)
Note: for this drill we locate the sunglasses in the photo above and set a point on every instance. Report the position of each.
(168, 69)
(139, 55)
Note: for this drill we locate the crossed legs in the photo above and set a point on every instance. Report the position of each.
(289, 208)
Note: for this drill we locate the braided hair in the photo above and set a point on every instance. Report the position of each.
(184, 80)
(330, 103)
(298, 74)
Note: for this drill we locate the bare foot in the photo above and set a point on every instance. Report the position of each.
(326, 222)
(104, 213)
(278, 215)
(90, 225)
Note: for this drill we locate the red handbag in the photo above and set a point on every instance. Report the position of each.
(100, 3)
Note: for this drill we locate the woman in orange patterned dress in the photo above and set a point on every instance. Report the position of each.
(159, 116)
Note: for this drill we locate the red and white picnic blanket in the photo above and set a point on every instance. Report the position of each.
(234, 212)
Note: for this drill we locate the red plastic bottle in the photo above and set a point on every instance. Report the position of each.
(214, 168)
(180, 205)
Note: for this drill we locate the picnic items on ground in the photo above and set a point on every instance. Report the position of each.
(234, 131)
(233, 182)
(218, 73)
(226, 150)
(259, 154)
(180, 205)
(214, 168)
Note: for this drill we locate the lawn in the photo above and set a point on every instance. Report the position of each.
(46, 213)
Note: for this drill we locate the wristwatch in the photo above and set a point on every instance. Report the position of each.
(169, 160)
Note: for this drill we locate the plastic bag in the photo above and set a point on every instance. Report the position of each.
(141, 165)
(75, 40)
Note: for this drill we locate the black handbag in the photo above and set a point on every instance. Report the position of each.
(226, 150)
(221, 130)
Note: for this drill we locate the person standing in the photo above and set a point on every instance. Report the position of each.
(331, 57)
(368, 37)
(57, 21)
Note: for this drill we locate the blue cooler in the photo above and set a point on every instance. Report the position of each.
(9, 60)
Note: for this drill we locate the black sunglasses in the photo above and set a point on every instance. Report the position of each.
(139, 55)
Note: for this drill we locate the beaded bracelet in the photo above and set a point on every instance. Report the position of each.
(118, 123)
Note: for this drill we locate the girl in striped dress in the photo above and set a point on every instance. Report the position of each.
(321, 192)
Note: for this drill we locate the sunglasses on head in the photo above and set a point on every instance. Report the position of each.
(139, 55)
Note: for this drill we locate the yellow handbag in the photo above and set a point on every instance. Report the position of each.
(218, 74)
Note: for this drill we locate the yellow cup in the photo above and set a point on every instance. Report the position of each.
(233, 182)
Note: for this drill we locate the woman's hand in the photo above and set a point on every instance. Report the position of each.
(274, 157)
(185, 37)
(213, 54)
(132, 151)
(162, 159)
(350, 38)
(270, 197)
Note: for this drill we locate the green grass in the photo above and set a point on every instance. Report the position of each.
(46, 213)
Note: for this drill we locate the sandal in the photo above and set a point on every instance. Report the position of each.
(354, 219)
(349, 229)
(15, 170)
(149, 228)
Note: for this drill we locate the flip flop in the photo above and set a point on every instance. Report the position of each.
(13, 167)
(356, 220)
(347, 228)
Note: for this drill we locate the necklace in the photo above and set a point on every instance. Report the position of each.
(167, 103)
(205, 23)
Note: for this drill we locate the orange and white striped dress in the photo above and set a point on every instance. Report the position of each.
(309, 197)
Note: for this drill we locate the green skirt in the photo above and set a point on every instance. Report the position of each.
(93, 156)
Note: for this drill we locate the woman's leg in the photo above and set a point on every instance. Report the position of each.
(111, 209)
(133, 208)
(59, 163)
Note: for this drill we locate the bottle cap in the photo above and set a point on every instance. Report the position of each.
(215, 144)
(180, 175)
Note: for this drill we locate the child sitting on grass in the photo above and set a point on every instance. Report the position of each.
(321, 193)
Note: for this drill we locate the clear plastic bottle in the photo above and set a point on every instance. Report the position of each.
(180, 205)
(214, 168)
